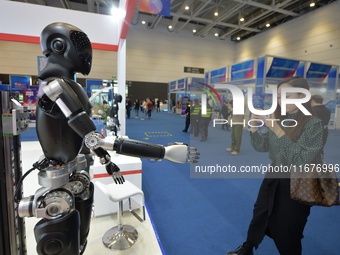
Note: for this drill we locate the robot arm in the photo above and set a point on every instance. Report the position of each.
(175, 152)
(59, 92)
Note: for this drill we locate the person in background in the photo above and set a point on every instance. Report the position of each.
(115, 125)
(136, 107)
(149, 107)
(323, 113)
(195, 120)
(104, 111)
(225, 114)
(128, 105)
(158, 103)
(154, 108)
(143, 109)
(187, 117)
(204, 122)
(236, 131)
(173, 106)
(104, 101)
(275, 214)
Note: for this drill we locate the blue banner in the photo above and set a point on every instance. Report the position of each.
(318, 72)
(301, 70)
(172, 85)
(282, 68)
(19, 82)
(93, 84)
(206, 77)
(260, 75)
(159, 7)
(244, 70)
(181, 84)
(218, 75)
(4, 87)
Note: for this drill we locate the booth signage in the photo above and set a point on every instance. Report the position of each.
(188, 69)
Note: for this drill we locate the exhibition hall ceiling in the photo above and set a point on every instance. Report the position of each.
(234, 20)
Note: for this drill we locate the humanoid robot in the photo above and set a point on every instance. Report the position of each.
(113, 121)
(64, 127)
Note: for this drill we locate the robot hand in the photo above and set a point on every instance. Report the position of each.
(181, 153)
(105, 159)
(116, 174)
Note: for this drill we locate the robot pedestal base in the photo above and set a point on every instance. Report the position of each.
(120, 239)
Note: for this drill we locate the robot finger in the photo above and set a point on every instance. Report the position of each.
(118, 178)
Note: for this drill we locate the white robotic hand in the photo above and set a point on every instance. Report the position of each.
(181, 153)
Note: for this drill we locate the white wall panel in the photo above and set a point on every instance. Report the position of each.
(30, 20)
(160, 56)
(312, 37)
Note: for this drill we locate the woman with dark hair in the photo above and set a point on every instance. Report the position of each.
(275, 213)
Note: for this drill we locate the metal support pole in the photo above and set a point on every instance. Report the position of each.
(12, 231)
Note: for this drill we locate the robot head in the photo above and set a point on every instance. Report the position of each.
(69, 45)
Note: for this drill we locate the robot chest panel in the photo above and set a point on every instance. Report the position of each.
(57, 139)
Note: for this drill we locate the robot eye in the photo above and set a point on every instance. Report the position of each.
(58, 45)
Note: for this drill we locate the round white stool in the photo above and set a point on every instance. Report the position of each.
(121, 237)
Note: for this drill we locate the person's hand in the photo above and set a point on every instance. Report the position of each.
(260, 118)
(274, 126)
(270, 121)
(257, 121)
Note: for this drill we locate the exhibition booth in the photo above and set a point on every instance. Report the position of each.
(258, 77)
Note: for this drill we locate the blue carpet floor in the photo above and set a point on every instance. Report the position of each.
(207, 215)
(210, 216)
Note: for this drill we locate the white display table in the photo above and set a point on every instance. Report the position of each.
(131, 168)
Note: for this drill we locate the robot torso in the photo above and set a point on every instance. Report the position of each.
(57, 139)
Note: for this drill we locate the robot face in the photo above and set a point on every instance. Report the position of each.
(69, 44)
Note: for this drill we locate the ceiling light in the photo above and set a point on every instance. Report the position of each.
(312, 4)
(194, 30)
(143, 22)
(216, 34)
(216, 13)
(241, 19)
(267, 25)
(170, 28)
(238, 38)
(118, 13)
(186, 7)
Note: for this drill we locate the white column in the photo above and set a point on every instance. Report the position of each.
(121, 78)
